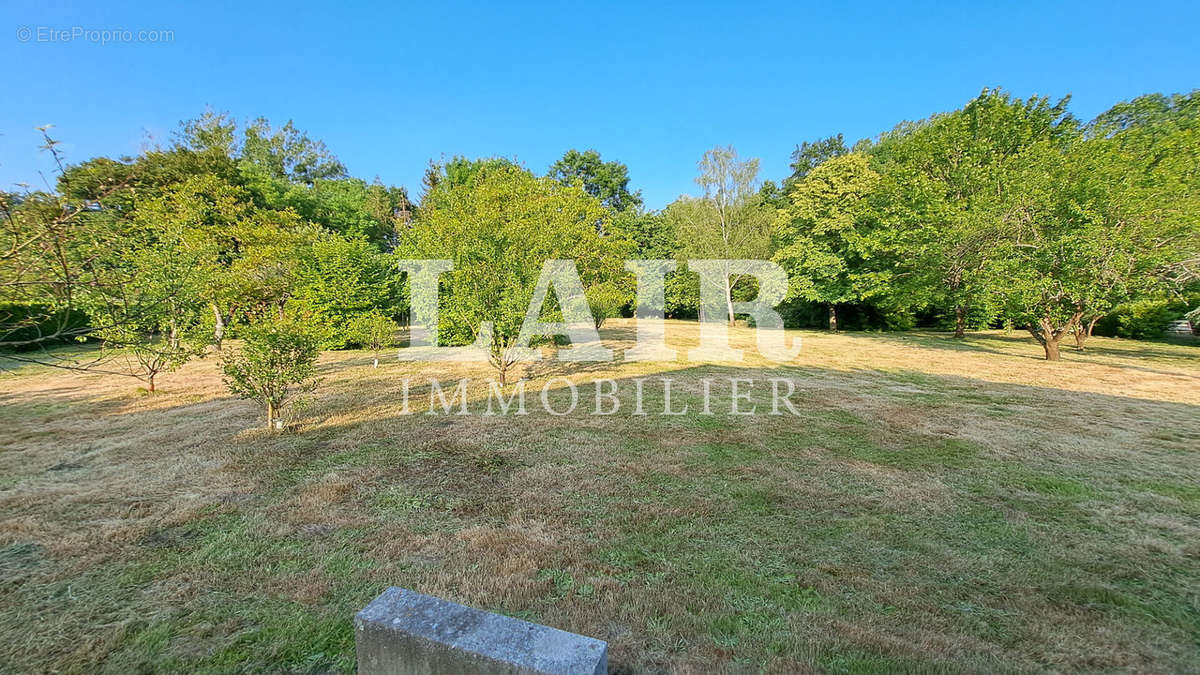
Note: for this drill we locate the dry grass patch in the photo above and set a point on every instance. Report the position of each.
(934, 504)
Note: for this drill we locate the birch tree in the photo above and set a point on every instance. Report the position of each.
(729, 221)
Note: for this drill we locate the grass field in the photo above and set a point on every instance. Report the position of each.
(937, 504)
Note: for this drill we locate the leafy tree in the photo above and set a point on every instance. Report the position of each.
(339, 280)
(938, 177)
(242, 250)
(276, 365)
(808, 156)
(1081, 228)
(827, 235)
(153, 320)
(606, 181)
(375, 331)
(730, 221)
(498, 231)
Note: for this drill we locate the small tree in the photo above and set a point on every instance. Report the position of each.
(374, 331)
(156, 343)
(275, 366)
(606, 301)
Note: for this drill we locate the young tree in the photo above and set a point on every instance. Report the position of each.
(160, 280)
(499, 230)
(730, 221)
(375, 331)
(827, 236)
(276, 365)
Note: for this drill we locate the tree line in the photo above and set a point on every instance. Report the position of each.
(1005, 212)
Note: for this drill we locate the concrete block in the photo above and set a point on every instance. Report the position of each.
(405, 632)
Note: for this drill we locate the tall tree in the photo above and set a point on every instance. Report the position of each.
(730, 221)
(499, 230)
(828, 234)
(1082, 226)
(937, 174)
(606, 181)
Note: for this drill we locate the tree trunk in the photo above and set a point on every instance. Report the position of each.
(218, 326)
(152, 381)
(729, 300)
(833, 317)
(1082, 333)
(960, 321)
(1051, 347)
(270, 416)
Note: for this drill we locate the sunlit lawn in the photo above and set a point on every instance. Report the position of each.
(936, 503)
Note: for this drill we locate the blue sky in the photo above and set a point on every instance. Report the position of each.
(390, 85)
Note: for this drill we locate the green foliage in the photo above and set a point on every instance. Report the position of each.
(374, 331)
(606, 181)
(827, 235)
(1141, 320)
(730, 221)
(498, 231)
(153, 321)
(808, 156)
(276, 364)
(606, 300)
(938, 177)
(651, 233)
(442, 178)
(284, 152)
(24, 325)
(339, 281)
(348, 206)
(244, 256)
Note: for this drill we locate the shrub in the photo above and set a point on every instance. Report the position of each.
(375, 332)
(606, 301)
(1143, 320)
(276, 365)
(342, 280)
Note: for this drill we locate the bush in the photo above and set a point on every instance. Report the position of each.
(374, 331)
(275, 366)
(1143, 320)
(606, 301)
(341, 281)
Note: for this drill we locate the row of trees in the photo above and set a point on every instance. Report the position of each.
(1005, 211)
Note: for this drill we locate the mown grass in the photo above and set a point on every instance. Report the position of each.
(935, 505)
